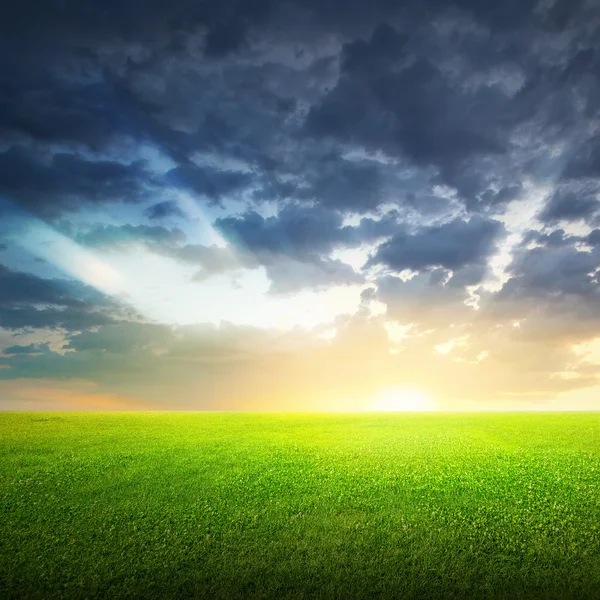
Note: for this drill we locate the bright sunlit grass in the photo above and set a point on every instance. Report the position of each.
(231, 506)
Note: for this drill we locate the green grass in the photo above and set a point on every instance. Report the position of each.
(172, 505)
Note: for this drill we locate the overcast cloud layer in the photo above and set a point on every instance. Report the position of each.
(255, 204)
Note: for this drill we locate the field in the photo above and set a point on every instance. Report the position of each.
(224, 505)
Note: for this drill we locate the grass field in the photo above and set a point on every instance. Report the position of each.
(223, 505)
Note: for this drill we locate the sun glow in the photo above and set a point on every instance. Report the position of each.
(403, 400)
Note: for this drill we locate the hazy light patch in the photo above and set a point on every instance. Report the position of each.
(165, 291)
(522, 214)
(588, 351)
(566, 375)
(355, 154)
(221, 162)
(403, 399)
(450, 345)
(157, 159)
(536, 404)
(361, 154)
(311, 308)
(75, 394)
(377, 308)
(205, 230)
(407, 274)
(266, 209)
(587, 399)
(444, 191)
(355, 257)
(474, 297)
(397, 332)
(42, 241)
(328, 334)
(352, 220)
(500, 261)
(576, 228)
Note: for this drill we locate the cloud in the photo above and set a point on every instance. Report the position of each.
(453, 245)
(204, 366)
(554, 290)
(571, 203)
(302, 231)
(30, 301)
(163, 210)
(390, 100)
(424, 133)
(69, 181)
(585, 163)
(29, 349)
(295, 245)
(212, 183)
(594, 238)
(290, 276)
(551, 269)
(42, 23)
(351, 185)
(426, 301)
(122, 338)
(558, 237)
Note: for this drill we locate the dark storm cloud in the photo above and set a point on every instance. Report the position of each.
(571, 203)
(301, 231)
(75, 22)
(191, 77)
(66, 181)
(30, 301)
(294, 245)
(163, 210)
(46, 108)
(561, 13)
(89, 98)
(554, 292)
(594, 238)
(453, 245)
(585, 163)
(554, 239)
(18, 287)
(390, 99)
(352, 185)
(553, 273)
(206, 181)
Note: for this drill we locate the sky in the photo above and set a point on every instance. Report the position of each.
(300, 205)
